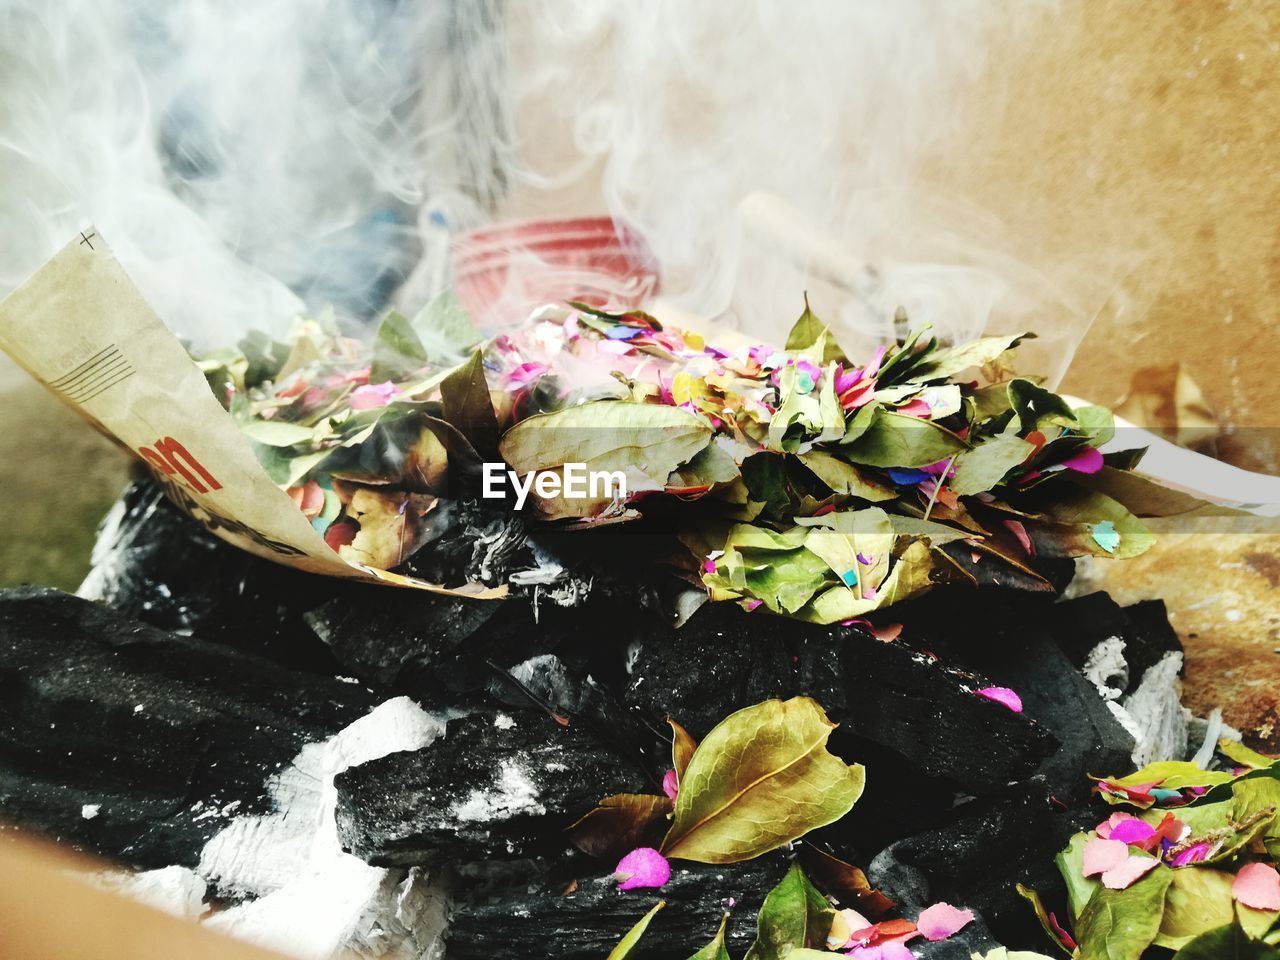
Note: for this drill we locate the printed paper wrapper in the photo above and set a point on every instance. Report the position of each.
(81, 327)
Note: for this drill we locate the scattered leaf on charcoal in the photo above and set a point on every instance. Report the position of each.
(1052, 929)
(642, 868)
(794, 916)
(467, 404)
(651, 439)
(1121, 924)
(986, 464)
(761, 778)
(628, 943)
(893, 440)
(715, 950)
(683, 747)
(621, 823)
(843, 881)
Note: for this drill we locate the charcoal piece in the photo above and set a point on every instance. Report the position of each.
(496, 786)
(541, 920)
(1080, 624)
(140, 744)
(379, 634)
(1150, 638)
(977, 857)
(889, 694)
(155, 564)
(1056, 695)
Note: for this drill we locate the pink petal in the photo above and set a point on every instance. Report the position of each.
(1019, 531)
(1106, 826)
(942, 920)
(1088, 460)
(1124, 875)
(642, 867)
(670, 784)
(1103, 855)
(884, 951)
(1002, 695)
(1257, 885)
(370, 396)
(916, 408)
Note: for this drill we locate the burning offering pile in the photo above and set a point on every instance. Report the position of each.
(700, 648)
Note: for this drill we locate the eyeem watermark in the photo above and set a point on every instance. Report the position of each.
(573, 481)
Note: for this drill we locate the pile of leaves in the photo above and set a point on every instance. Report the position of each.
(1186, 863)
(799, 479)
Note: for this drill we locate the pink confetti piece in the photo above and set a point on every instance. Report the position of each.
(670, 784)
(1019, 531)
(370, 397)
(1134, 868)
(891, 950)
(1133, 831)
(1088, 460)
(942, 920)
(1003, 696)
(1102, 855)
(1257, 885)
(864, 559)
(642, 867)
(1193, 854)
(916, 408)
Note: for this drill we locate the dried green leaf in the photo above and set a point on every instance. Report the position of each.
(1121, 924)
(809, 332)
(468, 406)
(397, 351)
(843, 881)
(1199, 900)
(391, 526)
(894, 440)
(619, 824)
(763, 777)
(794, 916)
(715, 950)
(682, 749)
(649, 440)
(844, 478)
(277, 433)
(949, 361)
(710, 466)
(1032, 897)
(986, 465)
(1035, 406)
(1227, 943)
(628, 943)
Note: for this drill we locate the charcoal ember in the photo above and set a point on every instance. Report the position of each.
(1057, 695)
(155, 564)
(976, 858)
(495, 786)
(586, 923)
(140, 744)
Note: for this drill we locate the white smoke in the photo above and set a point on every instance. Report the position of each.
(247, 158)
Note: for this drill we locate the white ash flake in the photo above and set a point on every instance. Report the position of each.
(503, 722)
(513, 794)
(1107, 669)
(90, 810)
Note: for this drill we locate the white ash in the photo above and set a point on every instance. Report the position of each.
(175, 890)
(1106, 668)
(514, 794)
(314, 901)
(90, 810)
(1156, 708)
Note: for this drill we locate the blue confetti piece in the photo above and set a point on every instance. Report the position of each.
(1106, 536)
(850, 578)
(623, 333)
(320, 524)
(904, 477)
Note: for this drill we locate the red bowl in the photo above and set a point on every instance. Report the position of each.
(503, 271)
